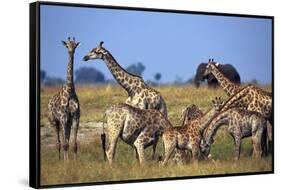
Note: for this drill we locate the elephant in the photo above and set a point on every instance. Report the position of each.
(227, 70)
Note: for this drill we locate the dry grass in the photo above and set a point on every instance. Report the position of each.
(90, 166)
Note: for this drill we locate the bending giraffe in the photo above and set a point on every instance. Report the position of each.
(189, 113)
(64, 110)
(139, 93)
(188, 137)
(250, 97)
(241, 123)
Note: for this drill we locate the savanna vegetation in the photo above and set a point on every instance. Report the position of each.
(90, 166)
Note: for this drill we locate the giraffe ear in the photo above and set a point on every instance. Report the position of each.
(63, 43)
(100, 45)
(78, 44)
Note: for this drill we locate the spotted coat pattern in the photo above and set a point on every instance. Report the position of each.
(139, 93)
(137, 127)
(249, 97)
(241, 123)
(64, 109)
(188, 137)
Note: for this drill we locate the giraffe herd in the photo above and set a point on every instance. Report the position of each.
(142, 119)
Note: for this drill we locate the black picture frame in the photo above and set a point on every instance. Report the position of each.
(34, 91)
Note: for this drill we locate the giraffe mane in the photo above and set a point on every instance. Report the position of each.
(134, 75)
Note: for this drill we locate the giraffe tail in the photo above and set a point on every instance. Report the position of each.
(103, 138)
(163, 108)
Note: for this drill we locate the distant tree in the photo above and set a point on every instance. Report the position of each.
(88, 75)
(178, 81)
(136, 69)
(254, 81)
(151, 83)
(190, 81)
(43, 76)
(157, 76)
(52, 81)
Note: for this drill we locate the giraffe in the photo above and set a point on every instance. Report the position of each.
(188, 137)
(191, 112)
(241, 123)
(139, 93)
(228, 86)
(64, 109)
(250, 97)
(137, 127)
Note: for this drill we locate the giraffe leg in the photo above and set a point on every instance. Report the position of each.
(263, 141)
(113, 134)
(269, 136)
(169, 148)
(55, 123)
(154, 146)
(140, 150)
(137, 155)
(195, 153)
(66, 127)
(75, 124)
(58, 138)
(237, 142)
(180, 156)
(257, 148)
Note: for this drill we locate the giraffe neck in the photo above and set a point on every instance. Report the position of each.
(229, 87)
(215, 123)
(206, 118)
(69, 79)
(128, 81)
(239, 100)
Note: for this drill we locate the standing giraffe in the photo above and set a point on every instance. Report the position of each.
(241, 123)
(229, 87)
(140, 94)
(250, 97)
(137, 127)
(64, 110)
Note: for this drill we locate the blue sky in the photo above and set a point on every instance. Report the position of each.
(169, 43)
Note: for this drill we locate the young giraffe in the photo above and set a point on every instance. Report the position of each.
(188, 137)
(250, 97)
(140, 94)
(137, 127)
(189, 113)
(64, 110)
(241, 123)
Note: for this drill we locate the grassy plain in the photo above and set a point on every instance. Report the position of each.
(90, 166)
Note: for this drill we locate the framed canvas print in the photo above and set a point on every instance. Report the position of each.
(121, 94)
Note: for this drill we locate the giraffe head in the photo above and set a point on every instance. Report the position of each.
(218, 103)
(205, 148)
(210, 66)
(71, 45)
(96, 53)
